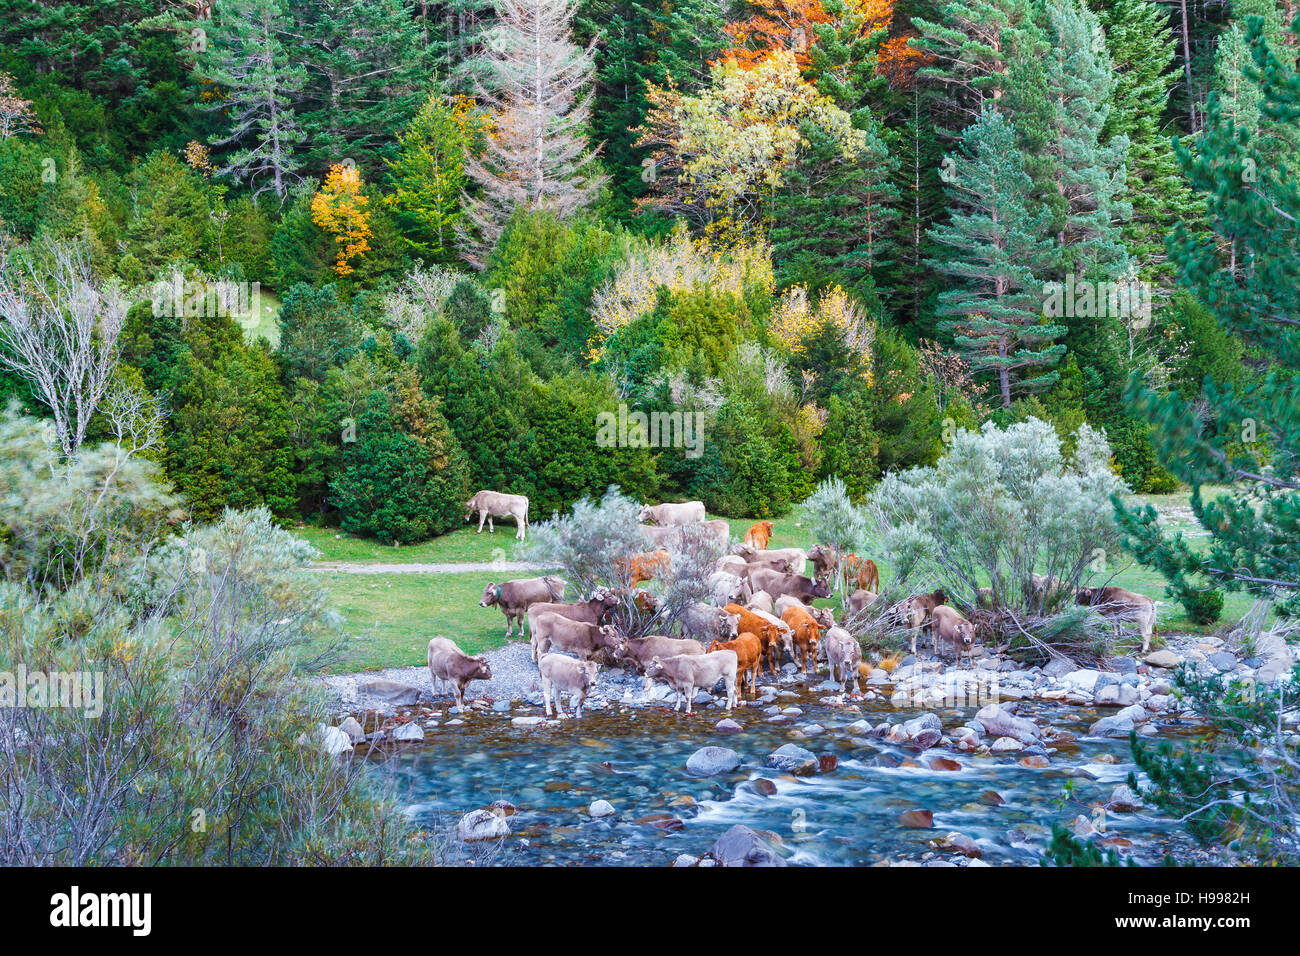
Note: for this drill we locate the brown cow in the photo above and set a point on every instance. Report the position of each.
(639, 650)
(862, 572)
(643, 567)
(759, 534)
(771, 632)
(572, 637)
(860, 600)
(562, 674)
(777, 584)
(807, 632)
(590, 611)
(1121, 605)
(825, 559)
(516, 597)
(768, 562)
(687, 673)
(749, 657)
(447, 662)
(707, 623)
(947, 626)
(915, 612)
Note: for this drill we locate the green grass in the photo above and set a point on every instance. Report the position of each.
(463, 545)
(389, 618)
(267, 323)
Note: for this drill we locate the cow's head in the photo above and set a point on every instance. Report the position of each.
(471, 507)
(785, 639)
(654, 668)
(491, 594)
(729, 625)
(645, 515)
(484, 670)
(966, 631)
(611, 638)
(1084, 595)
(821, 589)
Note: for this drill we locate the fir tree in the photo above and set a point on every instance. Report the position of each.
(995, 253)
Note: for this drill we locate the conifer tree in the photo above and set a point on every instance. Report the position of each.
(536, 156)
(995, 252)
(1247, 271)
(247, 59)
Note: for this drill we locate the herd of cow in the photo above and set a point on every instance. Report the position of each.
(761, 612)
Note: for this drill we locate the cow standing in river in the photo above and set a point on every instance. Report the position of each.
(495, 504)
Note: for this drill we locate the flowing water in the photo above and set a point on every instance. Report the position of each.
(635, 758)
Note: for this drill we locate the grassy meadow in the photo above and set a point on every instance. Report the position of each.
(389, 618)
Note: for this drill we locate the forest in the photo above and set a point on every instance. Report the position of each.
(371, 255)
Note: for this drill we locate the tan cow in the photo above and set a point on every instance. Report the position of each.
(914, 612)
(687, 673)
(640, 650)
(948, 627)
(561, 675)
(687, 512)
(554, 631)
(1122, 605)
(590, 611)
(843, 656)
(495, 504)
(447, 662)
(516, 597)
(860, 600)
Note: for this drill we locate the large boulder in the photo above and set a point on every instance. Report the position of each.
(741, 846)
(482, 825)
(334, 741)
(924, 731)
(999, 723)
(709, 761)
(1163, 658)
(793, 759)
(390, 691)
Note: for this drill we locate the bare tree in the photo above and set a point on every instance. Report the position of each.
(59, 329)
(536, 156)
(16, 113)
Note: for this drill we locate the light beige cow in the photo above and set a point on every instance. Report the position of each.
(495, 504)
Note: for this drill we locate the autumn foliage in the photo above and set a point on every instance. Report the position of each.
(340, 209)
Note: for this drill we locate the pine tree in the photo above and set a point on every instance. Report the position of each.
(428, 177)
(1142, 49)
(1248, 273)
(995, 252)
(248, 60)
(536, 156)
(368, 73)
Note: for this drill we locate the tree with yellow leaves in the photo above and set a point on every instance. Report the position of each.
(340, 209)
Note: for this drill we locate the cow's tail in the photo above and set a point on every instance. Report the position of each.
(550, 587)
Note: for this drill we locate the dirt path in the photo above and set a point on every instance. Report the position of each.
(358, 567)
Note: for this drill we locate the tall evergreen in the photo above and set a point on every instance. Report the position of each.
(995, 252)
(1248, 273)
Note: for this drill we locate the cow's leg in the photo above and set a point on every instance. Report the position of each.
(546, 696)
(491, 530)
(459, 690)
(482, 516)
(582, 699)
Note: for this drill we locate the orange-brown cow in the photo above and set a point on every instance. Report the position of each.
(807, 632)
(768, 634)
(862, 572)
(749, 657)
(644, 566)
(759, 534)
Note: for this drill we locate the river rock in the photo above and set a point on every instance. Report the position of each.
(1117, 725)
(482, 825)
(1124, 800)
(924, 731)
(527, 721)
(1057, 667)
(353, 730)
(710, 761)
(996, 720)
(1163, 658)
(408, 733)
(1084, 680)
(390, 691)
(859, 728)
(1005, 744)
(991, 798)
(334, 741)
(1223, 661)
(963, 844)
(793, 759)
(728, 726)
(741, 846)
(603, 808)
(685, 859)
(917, 819)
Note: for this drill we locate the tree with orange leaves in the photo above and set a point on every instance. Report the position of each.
(340, 209)
(796, 25)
